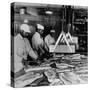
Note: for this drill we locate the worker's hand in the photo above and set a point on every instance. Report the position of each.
(24, 62)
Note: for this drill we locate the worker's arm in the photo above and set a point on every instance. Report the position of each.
(46, 47)
(46, 40)
(30, 51)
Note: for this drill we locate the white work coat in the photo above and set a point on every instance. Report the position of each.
(37, 41)
(49, 40)
(22, 48)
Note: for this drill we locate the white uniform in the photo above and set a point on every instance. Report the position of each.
(37, 41)
(21, 49)
(39, 45)
(49, 40)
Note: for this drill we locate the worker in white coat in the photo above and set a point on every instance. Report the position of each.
(37, 41)
(22, 48)
(49, 39)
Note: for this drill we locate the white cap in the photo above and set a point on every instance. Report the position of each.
(25, 28)
(25, 21)
(52, 31)
(39, 26)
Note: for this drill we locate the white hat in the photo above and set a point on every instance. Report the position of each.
(52, 31)
(39, 26)
(25, 21)
(25, 28)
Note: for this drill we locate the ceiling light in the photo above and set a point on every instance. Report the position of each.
(49, 12)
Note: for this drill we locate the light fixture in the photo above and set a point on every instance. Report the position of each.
(48, 12)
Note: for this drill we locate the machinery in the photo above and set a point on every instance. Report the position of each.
(65, 42)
